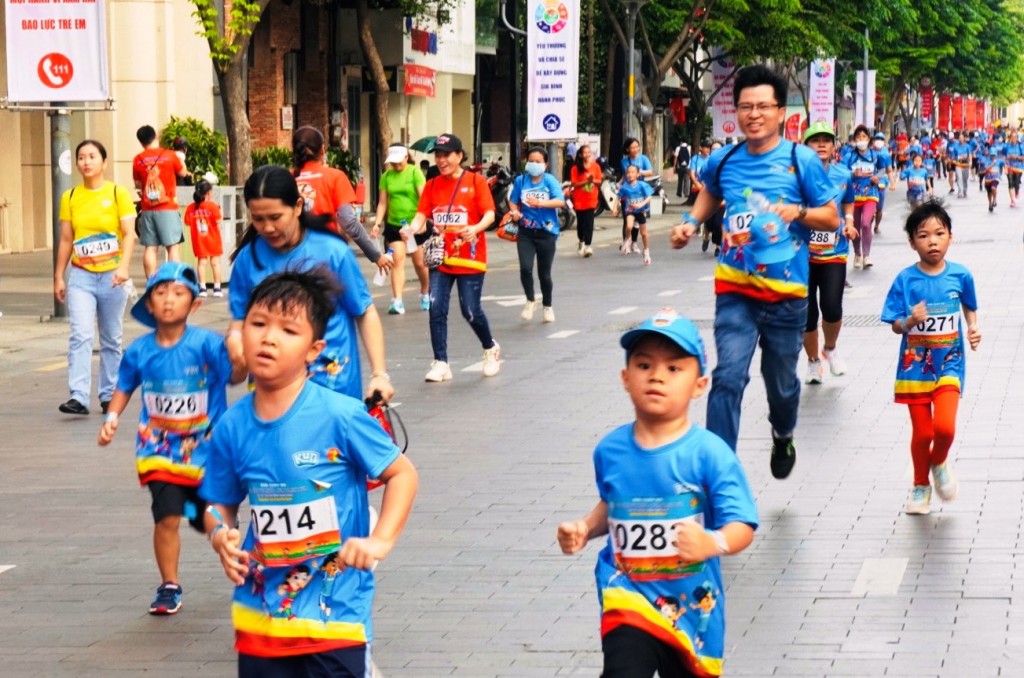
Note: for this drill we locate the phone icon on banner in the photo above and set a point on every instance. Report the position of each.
(55, 70)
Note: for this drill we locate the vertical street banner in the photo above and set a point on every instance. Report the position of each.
(865, 117)
(958, 113)
(821, 91)
(979, 117)
(723, 110)
(945, 112)
(552, 80)
(971, 114)
(56, 51)
(927, 104)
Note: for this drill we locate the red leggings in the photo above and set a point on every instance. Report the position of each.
(934, 425)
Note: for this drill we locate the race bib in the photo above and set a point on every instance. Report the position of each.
(176, 411)
(643, 535)
(292, 524)
(941, 329)
(97, 249)
(535, 195)
(863, 169)
(738, 226)
(445, 219)
(822, 242)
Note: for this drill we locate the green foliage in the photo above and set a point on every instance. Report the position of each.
(205, 146)
(221, 34)
(347, 161)
(272, 155)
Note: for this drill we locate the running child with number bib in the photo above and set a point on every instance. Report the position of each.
(924, 307)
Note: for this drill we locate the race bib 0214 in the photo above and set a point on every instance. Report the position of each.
(292, 524)
(643, 535)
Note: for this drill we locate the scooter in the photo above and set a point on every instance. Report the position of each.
(499, 181)
(609, 192)
(567, 213)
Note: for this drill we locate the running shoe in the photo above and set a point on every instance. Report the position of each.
(439, 371)
(549, 314)
(581, 249)
(991, 207)
(946, 485)
(951, 191)
(424, 302)
(704, 245)
(867, 263)
(203, 292)
(397, 307)
(718, 250)
(492, 360)
(836, 365)
(624, 248)
(634, 247)
(529, 308)
(218, 292)
(167, 601)
(858, 261)
(783, 456)
(647, 257)
(919, 501)
(815, 372)
(588, 252)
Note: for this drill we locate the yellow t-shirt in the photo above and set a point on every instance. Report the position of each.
(95, 217)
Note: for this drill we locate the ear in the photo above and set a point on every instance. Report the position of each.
(314, 351)
(196, 303)
(700, 386)
(625, 376)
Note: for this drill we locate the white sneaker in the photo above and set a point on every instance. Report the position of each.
(624, 247)
(815, 372)
(867, 263)
(647, 257)
(549, 314)
(836, 365)
(218, 292)
(919, 501)
(945, 483)
(588, 252)
(529, 308)
(634, 247)
(203, 293)
(581, 249)
(492, 360)
(858, 261)
(439, 371)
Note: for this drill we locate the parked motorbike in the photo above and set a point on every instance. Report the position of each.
(567, 214)
(609, 198)
(499, 181)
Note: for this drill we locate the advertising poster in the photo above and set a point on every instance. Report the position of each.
(553, 55)
(822, 90)
(723, 111)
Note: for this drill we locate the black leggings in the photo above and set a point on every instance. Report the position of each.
(632, 653)
(585, 226)
(829, 280)
(1013, 181)
(539, 244)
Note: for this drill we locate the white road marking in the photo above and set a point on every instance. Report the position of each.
(563, 334)
(706, 278)
(62, 365)
(622, 310)
(880, 577)
(669, 293)
(514, 297)
(4, 568)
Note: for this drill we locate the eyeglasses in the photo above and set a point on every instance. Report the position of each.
(747, 109)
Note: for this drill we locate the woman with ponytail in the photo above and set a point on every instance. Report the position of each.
(285, 236)
(328, 191)
(203, 219)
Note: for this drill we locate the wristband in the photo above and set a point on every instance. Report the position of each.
(111, 417)
(848, 217)
(720, 542)
(216, 528)
(690, 219)
(382, 375)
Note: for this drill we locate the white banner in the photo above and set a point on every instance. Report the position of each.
(552, 57)
(723, 110)
(57, 51)
(869, 119)
(822, 91)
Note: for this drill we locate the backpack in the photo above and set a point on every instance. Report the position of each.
(153, 188)
(736, 147)
(683, 156)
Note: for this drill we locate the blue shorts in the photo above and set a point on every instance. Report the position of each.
(160, 228)
(350, 662)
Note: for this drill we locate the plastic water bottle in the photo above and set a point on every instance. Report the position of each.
(380, 277)
(410, 241)
(758, 203)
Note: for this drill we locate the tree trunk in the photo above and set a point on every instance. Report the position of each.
(893, 105)
(380, 80)
(609, 99)
(590, 65)
(232, 93)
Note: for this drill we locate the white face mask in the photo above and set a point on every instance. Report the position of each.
(879, 144)
(862, 145)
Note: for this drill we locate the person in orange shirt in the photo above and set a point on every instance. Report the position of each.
(155, 170)
(585, 176)
(203, 219)
(328, 191)
(460, 204)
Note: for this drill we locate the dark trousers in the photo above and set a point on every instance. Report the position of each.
(535, 243)
(632, 653)
(585, 226)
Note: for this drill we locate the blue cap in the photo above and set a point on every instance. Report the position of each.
(879, 135)
(680, 330)
(770, 241)
(170, 271)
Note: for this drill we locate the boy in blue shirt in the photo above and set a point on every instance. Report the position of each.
(183, 372)
(635, 197)
(673, 499)
(917, 181)
(301, 453)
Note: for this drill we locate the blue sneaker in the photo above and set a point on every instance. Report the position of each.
(424, 302)
(397, 307)
(167, 601)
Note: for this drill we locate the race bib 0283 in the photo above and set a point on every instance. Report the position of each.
(643, 535)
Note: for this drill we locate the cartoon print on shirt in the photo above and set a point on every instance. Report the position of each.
(297, 579)
(706, 602)
(329, 569)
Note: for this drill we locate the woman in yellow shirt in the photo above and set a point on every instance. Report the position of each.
(97, 233)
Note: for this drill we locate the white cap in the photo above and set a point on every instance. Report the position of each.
(396, 153)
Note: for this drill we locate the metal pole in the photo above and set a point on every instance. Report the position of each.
(627, 109)
(864, 96)
(60, 174)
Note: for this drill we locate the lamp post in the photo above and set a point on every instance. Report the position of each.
(868, 116)
(628, 120)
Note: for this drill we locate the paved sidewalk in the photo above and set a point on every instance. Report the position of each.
(837, 582)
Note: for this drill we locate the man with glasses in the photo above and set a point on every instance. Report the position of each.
(760, 286)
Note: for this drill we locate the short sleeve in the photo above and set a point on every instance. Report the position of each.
(554, 187)
(382, 185)
(221, 483)
(240, 283)
(342, 192)
(895, 306)
(179, 165)
(968, 296)
(65, 206)
(816, 188)
(138, 170)
(425, 205)
(216, 354)
(128, 377)
(708, 173)
(417, 177)
(728, 490)
(215, 208)
(484, 200)
(369, 444)
(516, 191)
(125, 203)
(355, 297)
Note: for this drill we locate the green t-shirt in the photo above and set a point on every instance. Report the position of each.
(403, 197)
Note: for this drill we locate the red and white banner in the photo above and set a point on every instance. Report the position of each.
(552, 69)
(420, 81)
(959, 109)
(945, 112)
(822, 90)
(56, 51)
(927, 103)
(979, 115)
(723, 110)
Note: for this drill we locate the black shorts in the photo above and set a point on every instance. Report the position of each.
(177, 500)
(639, 218)
(350, 662)
(632, 653)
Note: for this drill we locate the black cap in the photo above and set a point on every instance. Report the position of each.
(447, 143)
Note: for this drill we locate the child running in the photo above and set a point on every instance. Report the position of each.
(924, 306)
(203, 219)
(635, 196)
(674, 498)
(183, 372)
(916, 177)
(301, 453)
(990, 168)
